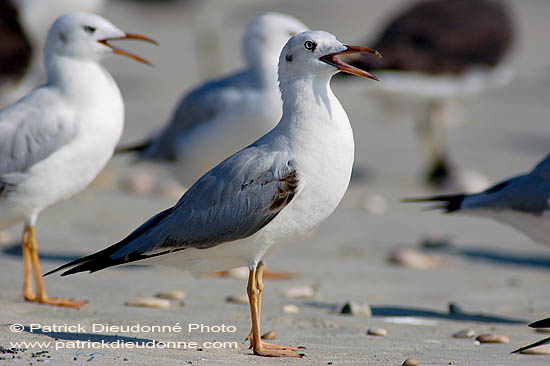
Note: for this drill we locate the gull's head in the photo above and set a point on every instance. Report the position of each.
(266, 35)
(86, 37)
(316, 53)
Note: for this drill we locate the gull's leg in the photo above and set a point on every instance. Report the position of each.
(27, 293)
(263, 348)
(41, 296)
(259, 284)
(431, 131)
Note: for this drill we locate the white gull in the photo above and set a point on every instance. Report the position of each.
(276, 189)
(55, 140)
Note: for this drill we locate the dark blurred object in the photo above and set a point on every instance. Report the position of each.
(23, 28)
(444, 37)
(15, 47)
(437, 50)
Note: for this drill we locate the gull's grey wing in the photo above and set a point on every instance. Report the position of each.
(31, 130)
(232, 201)
(542, 169)
(528, 193)
(199, 106)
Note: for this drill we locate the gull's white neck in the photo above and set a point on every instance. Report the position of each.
(309, 103)
(88, 90)
(82, 81)
(315, 124)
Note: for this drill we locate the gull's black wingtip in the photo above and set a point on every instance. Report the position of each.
(533, 345)
(449, 203)
(543, 323)
(67, 265)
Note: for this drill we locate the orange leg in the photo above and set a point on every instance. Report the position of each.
(260, 286)
(263, 348)
(27, 293)
(41, 296)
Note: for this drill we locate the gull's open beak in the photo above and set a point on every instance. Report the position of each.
(119, 51)
(332, 60)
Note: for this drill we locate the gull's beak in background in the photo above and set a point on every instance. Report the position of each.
(119, 51)
(332, 60)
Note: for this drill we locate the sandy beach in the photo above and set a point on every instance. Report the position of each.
(497, 279)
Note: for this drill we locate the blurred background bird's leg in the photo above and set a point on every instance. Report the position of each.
(431, 130)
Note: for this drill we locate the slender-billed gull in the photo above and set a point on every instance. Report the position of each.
(276, 189)
(522, 202)
(55, 140)
(220, 117)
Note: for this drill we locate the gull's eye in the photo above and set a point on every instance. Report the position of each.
(309, 45)
(89, 29)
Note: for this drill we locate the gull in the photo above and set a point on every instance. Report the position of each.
(220, 117)
(522, 202)
(437, 52)
(56, 139)
(278, 188)
(539, 324)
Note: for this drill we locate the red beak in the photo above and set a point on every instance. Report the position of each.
(119, 51)
(332, 60)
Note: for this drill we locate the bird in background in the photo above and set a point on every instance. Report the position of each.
(522, 202)
(436, 53)
(222, 116)
(15, 48)
(23, 28)
(277, 189)
(540, 324)
(56, 139)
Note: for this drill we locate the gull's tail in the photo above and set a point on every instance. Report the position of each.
(139, 147)
(111, 256)
(157, 147)
(449, 203)
(544, 323)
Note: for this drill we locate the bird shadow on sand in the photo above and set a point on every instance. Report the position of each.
(14, 250)
(454, 313)
(90, 337)
(496, 256)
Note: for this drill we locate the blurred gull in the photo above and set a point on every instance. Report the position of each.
(279, 188)
(522, 202)
(23, 28)
(435, 52)
(222, 116)
(55, 140)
